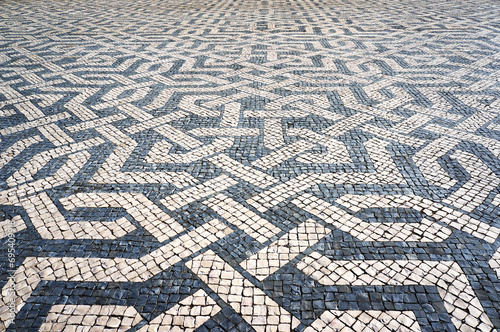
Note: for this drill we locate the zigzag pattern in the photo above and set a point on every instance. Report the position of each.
(267, 165)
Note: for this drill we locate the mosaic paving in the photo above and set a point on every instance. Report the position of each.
(305, 165)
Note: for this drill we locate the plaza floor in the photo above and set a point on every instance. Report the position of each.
(241, 165)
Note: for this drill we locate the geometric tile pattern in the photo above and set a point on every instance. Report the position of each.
(452, 285)
(187, 315)
(258, 309)
(34, 270)
(272, 257)
(424, 231)
(370, 320)
(90, 318)
(249, 165)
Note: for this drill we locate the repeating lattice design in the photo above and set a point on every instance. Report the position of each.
(308, 165)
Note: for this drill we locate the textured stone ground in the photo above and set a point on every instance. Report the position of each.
(307, 165)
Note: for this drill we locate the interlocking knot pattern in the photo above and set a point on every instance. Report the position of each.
(267, 165)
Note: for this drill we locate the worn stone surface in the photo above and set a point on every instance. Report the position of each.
(249, 165)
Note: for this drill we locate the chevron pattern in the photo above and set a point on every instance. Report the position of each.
(261, 165)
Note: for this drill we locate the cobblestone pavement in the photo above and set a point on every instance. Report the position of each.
(274, 165)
